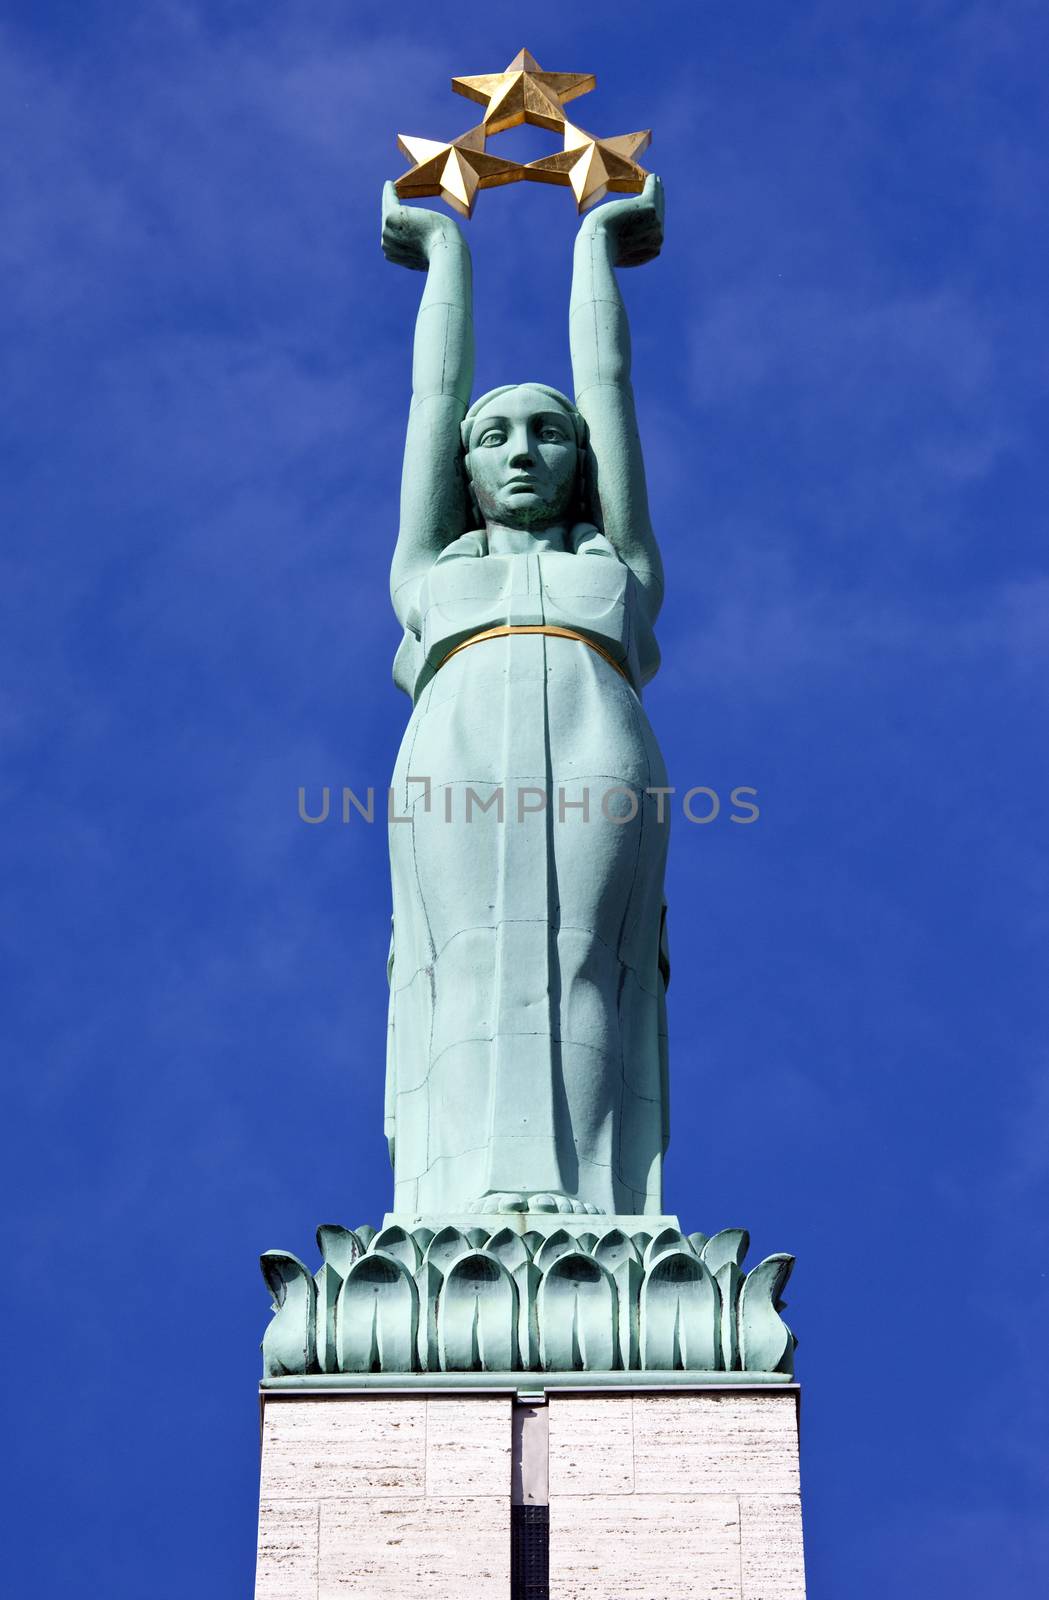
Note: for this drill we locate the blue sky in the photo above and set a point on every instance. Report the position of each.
(841, 375)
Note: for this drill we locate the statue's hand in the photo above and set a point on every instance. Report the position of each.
(634, 226)
(409, 233)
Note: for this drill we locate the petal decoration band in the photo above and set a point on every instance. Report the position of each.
(507, 629)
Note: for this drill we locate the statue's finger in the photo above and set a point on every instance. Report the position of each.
(657, 195)
(390, 202)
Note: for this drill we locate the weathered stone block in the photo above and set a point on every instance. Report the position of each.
(467, 1447)
(421, 1550)
(591, 1445)
(344, 1448)
(672, 1495)
(773, 1561)
(713, 1443)
(287, 1556)
(628, 1547)
(391, 1497)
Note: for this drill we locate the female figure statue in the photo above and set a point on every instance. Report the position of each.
(527, 1049)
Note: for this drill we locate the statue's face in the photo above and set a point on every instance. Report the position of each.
(522, 460)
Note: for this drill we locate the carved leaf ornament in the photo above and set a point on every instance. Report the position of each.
(451, 1301)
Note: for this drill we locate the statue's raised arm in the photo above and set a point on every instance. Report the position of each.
(625, 233)
(432, 488)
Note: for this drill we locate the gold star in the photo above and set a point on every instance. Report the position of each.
(594, 167)
(453, 170)
(524, 93)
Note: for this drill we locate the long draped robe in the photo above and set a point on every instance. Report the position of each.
(527, 1043)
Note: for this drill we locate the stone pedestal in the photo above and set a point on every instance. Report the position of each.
(675, 1496)
(654, 1493)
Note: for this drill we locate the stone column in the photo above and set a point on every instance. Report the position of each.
(675, 1496)
(652, 1494)
(384, 1498)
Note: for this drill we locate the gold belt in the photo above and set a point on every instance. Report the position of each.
(507, 629)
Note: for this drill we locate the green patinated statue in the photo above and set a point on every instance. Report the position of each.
(527, 1061)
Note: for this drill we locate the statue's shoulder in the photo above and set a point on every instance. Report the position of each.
(586, 539)
(466, 546)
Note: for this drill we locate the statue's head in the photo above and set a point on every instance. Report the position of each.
(524, 450)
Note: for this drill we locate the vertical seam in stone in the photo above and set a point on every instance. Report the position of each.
(633, 1465)
(546, 1446)
(621, 941)
(499, 964)
(739, 1527)
(445, 342)
(318, 1564)
(426, 1449)
(595, 334)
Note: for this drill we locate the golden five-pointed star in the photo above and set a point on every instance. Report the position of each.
(524, 93)
(457, 168)
(594, 167)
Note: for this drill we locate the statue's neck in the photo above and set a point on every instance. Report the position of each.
(504, 541)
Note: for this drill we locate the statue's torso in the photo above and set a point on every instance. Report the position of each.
(467, 592)
(527, 854)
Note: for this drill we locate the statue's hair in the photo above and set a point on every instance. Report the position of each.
(579, 428)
